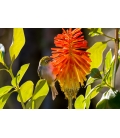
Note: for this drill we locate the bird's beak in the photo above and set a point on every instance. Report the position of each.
(50, 59)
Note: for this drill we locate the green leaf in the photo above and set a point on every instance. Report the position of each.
(109, 100)
(4, 99)
(95, 32)
(14, 81)
(41, 89)
(95, 73)
(96, 54)
(79, 102)
(1, 58)
(87, 101)
(21, 72)
(103, 104)
(4, 90)
(40, 92)
(108, 76)
(90, 80)
(114, 102)
(18, 43)
(108, 60)
(37, 103)
(28, 104)
(26, 90)
(94, 91)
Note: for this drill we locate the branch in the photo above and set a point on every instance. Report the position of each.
(116, 56)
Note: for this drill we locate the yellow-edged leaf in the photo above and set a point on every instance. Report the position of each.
(4, 99)
(96, 54)
(41, 89)
(79, 102)
(87, 101)
(18, 43)
(26, 90)
(4, 90)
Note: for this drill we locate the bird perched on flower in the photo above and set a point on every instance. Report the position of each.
(45, 71)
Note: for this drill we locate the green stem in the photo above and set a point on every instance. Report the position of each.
(109, 85)
(116, 56)
(8, 70)
(22, 103)
(33, 104)
(11, 73)
(108, 41)
(6, 66)
(108, 36)
(70, 102)
(18, 89)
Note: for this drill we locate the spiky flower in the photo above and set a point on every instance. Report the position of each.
(71, 61)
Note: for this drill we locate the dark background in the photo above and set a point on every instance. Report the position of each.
(38, 44)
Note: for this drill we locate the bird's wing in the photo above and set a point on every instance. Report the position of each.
(39, 71)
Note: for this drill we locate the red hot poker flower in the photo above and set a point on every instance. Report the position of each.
(71, 61)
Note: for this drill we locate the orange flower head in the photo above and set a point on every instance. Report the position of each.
(71, 61)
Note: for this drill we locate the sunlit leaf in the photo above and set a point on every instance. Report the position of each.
(109, 74)
(4, 90)
(96, 54)
(40, 92)
(18, 43)
(41, 89)
(14, 80)
(26, 90)
(94, 91)
(21, 72)
(95, 32)
(90, 80)
(108, 60)
(95, 73)
(4, 99)
(87, 101)
(79, 102)
(1, 58)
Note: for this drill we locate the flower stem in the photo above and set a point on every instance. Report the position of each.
(22, 103)
(70, 102)
(116, 56)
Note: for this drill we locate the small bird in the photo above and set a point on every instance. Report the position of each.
(45, 71)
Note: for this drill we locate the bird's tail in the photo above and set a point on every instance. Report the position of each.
(54, 92)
